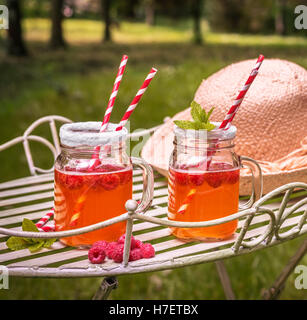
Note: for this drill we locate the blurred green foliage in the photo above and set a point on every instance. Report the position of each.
(235, 16)
(249, 16)
(77, 82)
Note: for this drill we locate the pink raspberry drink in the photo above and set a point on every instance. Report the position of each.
(91, 189)
(204, 180)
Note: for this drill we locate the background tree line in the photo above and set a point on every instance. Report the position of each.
(236, 16)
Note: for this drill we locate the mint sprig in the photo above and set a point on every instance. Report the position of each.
(33, 244)
(200, 117)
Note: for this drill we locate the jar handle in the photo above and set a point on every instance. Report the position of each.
(257, 181)
(148, 184)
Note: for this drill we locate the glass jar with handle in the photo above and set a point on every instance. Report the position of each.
(93, 181)
(203, 184)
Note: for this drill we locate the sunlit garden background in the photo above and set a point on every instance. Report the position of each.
(72, 74)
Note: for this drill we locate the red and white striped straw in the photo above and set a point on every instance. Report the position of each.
(226, 124)
(136, 99)
(45, 218)
(80, 202)
(40, 224)
(82, 198)
(114, 92)
(42, 221)
(188, 199)
(234, 108)
(47, 228)
(110, 106)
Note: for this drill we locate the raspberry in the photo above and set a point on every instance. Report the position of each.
(125, 176)
(118, 253)
(109, 181)
(74, 182)
(224, 173)
(91, 181)
(233, 176)
(197, 179)
(122, 238)
(60, 178)
(135, 254)
(138, 243)
(148, 251)
(181, 178)
(110, 249)
(214, 179)
(96, 255)
(101, 244)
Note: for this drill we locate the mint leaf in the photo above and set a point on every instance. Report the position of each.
(184, 124)
(209, 114)
(198, 125)
(48, 243)
(197, 111)
(203, 126)
(208, 126)
(16, 243)
(204, 116)
(200, 117)
(33, 244)
(36, 246)
(29, 225)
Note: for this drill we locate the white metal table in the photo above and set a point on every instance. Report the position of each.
(277, 217)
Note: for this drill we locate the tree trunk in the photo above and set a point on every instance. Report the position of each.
(280, 17)
(105, 6)
(15, 44)
(57, 40)
(150, 12)
(196, 14)
(130, 11)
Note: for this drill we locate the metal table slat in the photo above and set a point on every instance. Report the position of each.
(26, 181)
(51, 256)
(171, 244)
(154, 236)
(23, 199)
(26, 190)
(31, 215)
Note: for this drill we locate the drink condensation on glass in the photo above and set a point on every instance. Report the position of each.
(203, 182)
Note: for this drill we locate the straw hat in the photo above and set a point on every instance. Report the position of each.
(271, 122)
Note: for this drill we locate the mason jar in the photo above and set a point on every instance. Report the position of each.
(93, 181)
(204, 179)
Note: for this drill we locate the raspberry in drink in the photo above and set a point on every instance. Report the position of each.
(82, 199)
(196, 195)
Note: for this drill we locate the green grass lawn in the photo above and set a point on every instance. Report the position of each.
(76, 83)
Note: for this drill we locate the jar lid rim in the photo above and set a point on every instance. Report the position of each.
(87, 134)
(216, 133)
